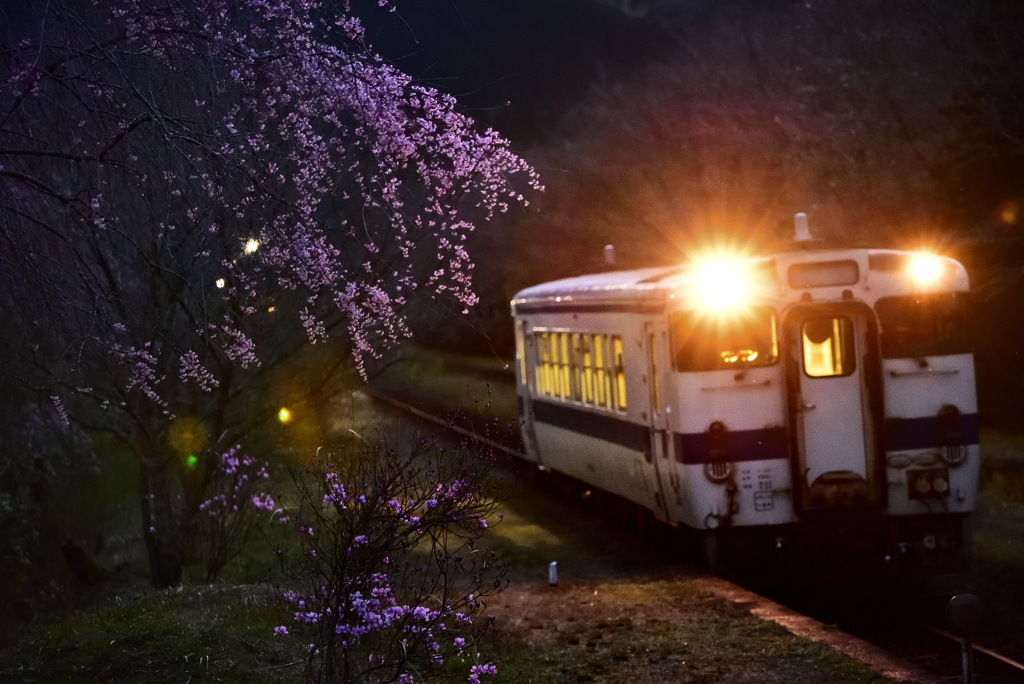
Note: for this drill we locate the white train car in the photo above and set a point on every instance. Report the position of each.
(806, 393)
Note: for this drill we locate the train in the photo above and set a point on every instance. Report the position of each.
(808, 400)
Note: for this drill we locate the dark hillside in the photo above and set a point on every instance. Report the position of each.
(516, 66)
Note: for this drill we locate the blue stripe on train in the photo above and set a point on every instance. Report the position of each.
(905, 434)
(743, 445)
(598, 425)
(740, 445)
(901, 434)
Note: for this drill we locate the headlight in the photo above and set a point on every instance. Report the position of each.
(718, 468)
(949, 416)
(954, 451)
(722, 284)
(925, 268)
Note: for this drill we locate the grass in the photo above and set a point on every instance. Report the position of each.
(666, 630)
(93, 505)
(998, 573)
(1002, 464)
(200, 634)
(624, 610)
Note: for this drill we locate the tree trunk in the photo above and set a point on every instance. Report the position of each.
(158, 525)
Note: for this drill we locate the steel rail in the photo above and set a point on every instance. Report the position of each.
(980, 649)
(448, 424)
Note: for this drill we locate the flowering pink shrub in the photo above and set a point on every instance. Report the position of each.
(386, 553)
(226, 520)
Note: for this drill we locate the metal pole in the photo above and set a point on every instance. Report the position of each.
(965, 612)
(967, 656)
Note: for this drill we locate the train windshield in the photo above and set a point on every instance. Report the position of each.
(741, 339)
(915, 326)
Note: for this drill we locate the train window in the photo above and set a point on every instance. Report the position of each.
(620, 372)
(587, 384)
(653, 356)
(704, 342)
(528, 366)
(530, 350)
(915, 326)
(576, 365)
(553, 361)
(556, 369)
(828, 347)
(823, 274)
(564, 388)
(521, 353)
(543, 368)
(606, 373)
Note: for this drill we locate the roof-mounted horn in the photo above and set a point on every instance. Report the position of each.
(801, 232)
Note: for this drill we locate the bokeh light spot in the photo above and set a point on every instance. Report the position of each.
(187, 435)
(1009, 213)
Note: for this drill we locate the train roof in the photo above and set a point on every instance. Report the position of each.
(640, 283)
(650, 285)
(603, 284)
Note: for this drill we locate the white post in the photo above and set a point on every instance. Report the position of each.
(553, 573)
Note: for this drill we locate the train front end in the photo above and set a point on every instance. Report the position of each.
(825, 407)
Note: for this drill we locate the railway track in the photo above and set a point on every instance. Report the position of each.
(934, 649)
(905, 646)
(997, 666)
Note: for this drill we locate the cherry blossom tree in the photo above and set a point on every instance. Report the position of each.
(194, 191)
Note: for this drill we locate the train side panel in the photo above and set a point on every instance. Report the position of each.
(928, 448)
(751, 406)
(608, 447)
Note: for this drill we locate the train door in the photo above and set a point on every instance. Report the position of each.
(834, 387)
(660, 446)
(526, 350)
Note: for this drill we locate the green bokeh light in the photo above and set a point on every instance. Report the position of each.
(191, 460)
